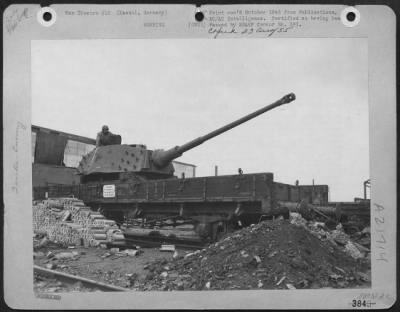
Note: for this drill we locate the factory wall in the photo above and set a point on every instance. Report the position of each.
(44, 175)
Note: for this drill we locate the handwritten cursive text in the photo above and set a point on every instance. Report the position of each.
(16, 16)
(216, 31)
(15, 149)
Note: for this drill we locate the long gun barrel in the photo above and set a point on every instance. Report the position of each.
(161, 158)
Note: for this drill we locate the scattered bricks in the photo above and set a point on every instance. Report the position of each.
(290, 286)
(38, 255)
(180, 286)
(353, 251)
(363, 276)
(167, 248)
(173, 275)
(257, 259)
(44, 242)
(340, 238)
(281, 280)
(340, 269)
(244, 254)
(64, 255)
(51, 266)
(131, 252)
(188, 255)
(335, 277)
(366, 230)
(302, 284)
(272, 254)
(164, 274)
(361, 248)
(339, 227)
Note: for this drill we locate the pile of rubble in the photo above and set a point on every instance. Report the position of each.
(356, 245)
(70, 222)
(277, 254)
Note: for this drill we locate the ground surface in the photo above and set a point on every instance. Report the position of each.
(99, 264)
(270, 255)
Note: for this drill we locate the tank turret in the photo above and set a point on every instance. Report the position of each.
(119, 162)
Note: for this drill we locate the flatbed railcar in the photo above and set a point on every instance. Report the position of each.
(214, 201)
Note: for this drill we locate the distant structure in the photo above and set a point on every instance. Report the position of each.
(53, 147)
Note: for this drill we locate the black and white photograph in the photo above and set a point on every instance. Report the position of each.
(233, 155)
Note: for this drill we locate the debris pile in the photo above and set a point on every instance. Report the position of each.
(69, 221)
(356, 245)
(277, 254)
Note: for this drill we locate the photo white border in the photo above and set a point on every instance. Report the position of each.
(377, 23)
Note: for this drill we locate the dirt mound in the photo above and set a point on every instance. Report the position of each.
(269, 255)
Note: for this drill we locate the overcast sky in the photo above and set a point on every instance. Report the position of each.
(164, 93)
